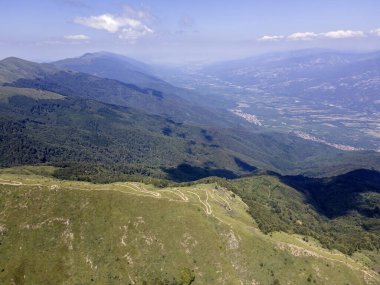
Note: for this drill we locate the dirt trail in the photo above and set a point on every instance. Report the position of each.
(142, 192)
(10, 182)
(177, 193)
(138, 188)
(221, 199)
(299, 251)
(208, 209)
(16, 183)
(114, 190)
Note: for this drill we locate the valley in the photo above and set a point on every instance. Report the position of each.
(267, 95)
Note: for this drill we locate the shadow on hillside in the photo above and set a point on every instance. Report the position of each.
(244, 165)
(357, 191)
(185, 173)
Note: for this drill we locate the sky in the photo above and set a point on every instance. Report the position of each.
(184, 31)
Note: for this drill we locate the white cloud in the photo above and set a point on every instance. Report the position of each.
(307, 36)
(134, 33)
(77, 37)
(107, 22)
(341, 34)
(303, 36)
(129, 26)
(270, 38)
(376, 32)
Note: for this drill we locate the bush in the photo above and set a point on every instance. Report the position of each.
(187, 276)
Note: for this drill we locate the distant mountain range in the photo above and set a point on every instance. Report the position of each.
(327, 96)
(347, 79)
(113, 66)
(164, 101)
(130, 71)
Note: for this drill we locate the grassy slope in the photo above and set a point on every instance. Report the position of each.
(8, 92)
(81, 85)
(13, 68)
(64, 232)
(278, 207)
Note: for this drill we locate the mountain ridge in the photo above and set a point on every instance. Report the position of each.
(113, 66)
(296, 76)
(202, 216)
(72, 83)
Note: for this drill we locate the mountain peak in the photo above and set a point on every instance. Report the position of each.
(113, 66)
(104, 54)
(96, 54)
(13, 68)
(15, 60)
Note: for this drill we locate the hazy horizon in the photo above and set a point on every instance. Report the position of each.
(183, 32)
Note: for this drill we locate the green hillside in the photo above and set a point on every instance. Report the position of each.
(13, 68)
(9, 92)
(130, 71)
(164, 101)
(114, 66)
(65, 232)
(123, 140)
(343, 215)
(36, 131)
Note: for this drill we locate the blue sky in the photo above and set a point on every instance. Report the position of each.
(176, 31)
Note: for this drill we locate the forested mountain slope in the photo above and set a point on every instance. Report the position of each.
(53, 128)
(20, 73)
